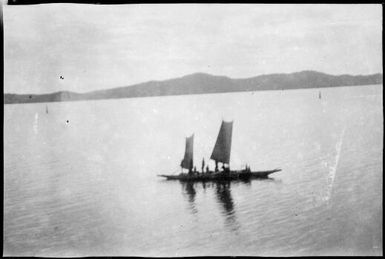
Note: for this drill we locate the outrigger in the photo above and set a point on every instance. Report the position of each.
(220, 154)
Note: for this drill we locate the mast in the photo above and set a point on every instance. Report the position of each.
(222, 148)
(188, 159)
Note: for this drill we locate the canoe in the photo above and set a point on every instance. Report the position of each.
(220, 176)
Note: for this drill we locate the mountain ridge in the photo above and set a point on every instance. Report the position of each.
(203, 83)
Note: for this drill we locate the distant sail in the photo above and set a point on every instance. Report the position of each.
(222, 149)
(188, 159)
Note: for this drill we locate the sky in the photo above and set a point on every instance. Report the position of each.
(97, 46)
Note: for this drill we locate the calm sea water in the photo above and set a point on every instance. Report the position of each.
(82, 179)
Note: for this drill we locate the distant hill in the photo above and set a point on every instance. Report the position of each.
(200, 83)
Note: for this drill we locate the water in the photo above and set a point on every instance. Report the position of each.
(81, 180)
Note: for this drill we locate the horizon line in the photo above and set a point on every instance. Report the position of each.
(195, 73)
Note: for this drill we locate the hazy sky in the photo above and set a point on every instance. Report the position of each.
(95, 46)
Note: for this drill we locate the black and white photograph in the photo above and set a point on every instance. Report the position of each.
(191, 129)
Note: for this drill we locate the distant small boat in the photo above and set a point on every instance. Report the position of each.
(221, 153)
(46, 109)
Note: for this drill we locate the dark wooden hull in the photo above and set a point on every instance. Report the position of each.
(220, 176)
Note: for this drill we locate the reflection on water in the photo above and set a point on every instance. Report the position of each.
(223, 196)
(223, 191)
(190, 190)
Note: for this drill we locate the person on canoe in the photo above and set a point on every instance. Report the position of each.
(203, 165)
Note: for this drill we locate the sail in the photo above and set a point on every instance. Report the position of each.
(188, 159)
(222, 149)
